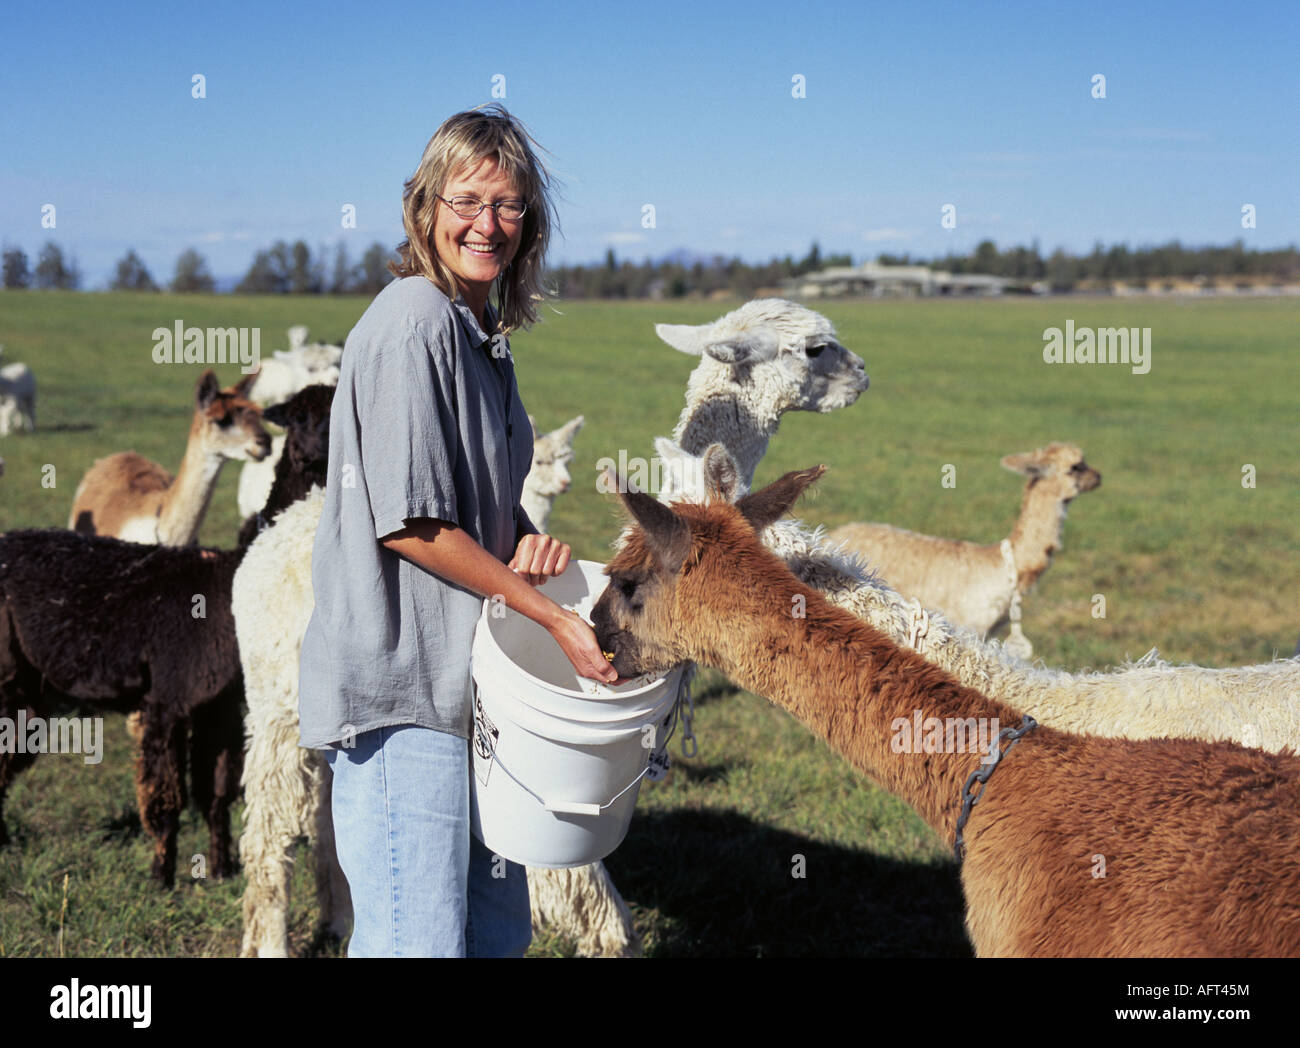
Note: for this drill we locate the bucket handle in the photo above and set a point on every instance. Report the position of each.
(563, 807)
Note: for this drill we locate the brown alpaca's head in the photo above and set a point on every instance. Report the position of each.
(229, 424)
(1057, 469)
(655, 612)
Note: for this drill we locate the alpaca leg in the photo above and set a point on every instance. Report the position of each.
(333, 896)
(217, 745)
(11, 764)
(160, 787)
(275, 799)
(583, 904)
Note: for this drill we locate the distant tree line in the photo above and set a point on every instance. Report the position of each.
(671, 278)
(286, 269)
(293, 269)
(1119, 263)
(675, 278)
(283, 269)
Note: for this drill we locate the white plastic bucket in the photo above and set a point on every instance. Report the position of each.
(558, 759)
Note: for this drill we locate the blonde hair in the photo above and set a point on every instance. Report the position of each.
(465, 140)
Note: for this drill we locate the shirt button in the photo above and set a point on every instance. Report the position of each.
(509, 429)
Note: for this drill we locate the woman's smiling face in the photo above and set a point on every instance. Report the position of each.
(477, 250)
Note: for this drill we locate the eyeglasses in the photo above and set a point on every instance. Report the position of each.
(472, 207)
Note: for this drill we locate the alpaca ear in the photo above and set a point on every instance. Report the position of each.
(276, 415)
(765, 507)
(752, 346)
(570, 429)
(721, 478)
(1025, 464)
(668, 451)
(667, 535)
(245, 384)
(685, 338)
(207, 389)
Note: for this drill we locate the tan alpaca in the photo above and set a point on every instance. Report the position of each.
(126, 496)
(1079, 846)
(974, 585)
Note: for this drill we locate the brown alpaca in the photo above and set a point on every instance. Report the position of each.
(1079, 846)
(975, 585)
(126, 496)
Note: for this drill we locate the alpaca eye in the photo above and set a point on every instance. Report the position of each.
(815, 351)
(627, 587)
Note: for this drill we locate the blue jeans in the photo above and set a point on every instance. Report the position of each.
(422, 885)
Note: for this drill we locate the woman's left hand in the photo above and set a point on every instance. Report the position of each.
(539, 556)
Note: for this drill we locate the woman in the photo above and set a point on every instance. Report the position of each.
(429, 447)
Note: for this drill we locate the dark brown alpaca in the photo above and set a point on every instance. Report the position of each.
(1080, 846)
(86, 620)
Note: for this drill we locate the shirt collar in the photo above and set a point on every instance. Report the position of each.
(472, 325)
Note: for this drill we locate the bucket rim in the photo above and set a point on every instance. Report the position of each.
(485, 621)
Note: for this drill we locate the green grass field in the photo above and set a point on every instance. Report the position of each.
(1188, 559)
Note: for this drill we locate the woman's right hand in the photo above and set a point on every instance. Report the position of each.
(578, 641)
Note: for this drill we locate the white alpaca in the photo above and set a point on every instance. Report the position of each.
(549, 475)
(1251, 705)
(287, 372)
(758, 362)
(17, 398)
(768, 357)
(980, 586)
(256, 478)
(286, 788)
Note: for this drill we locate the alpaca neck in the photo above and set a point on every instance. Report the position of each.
(848, 585)
(848, 683)
(727, 404)
(538, 508)
(185, 502)
(722, 418)
(1036, 534)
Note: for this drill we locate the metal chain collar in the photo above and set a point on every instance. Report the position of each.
(982, 773)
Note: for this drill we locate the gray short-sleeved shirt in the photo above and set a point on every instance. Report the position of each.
(426, 422)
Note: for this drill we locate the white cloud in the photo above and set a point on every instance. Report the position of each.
(221, 236)
(872, 236)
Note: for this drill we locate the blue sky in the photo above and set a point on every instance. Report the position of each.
(686, 106)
